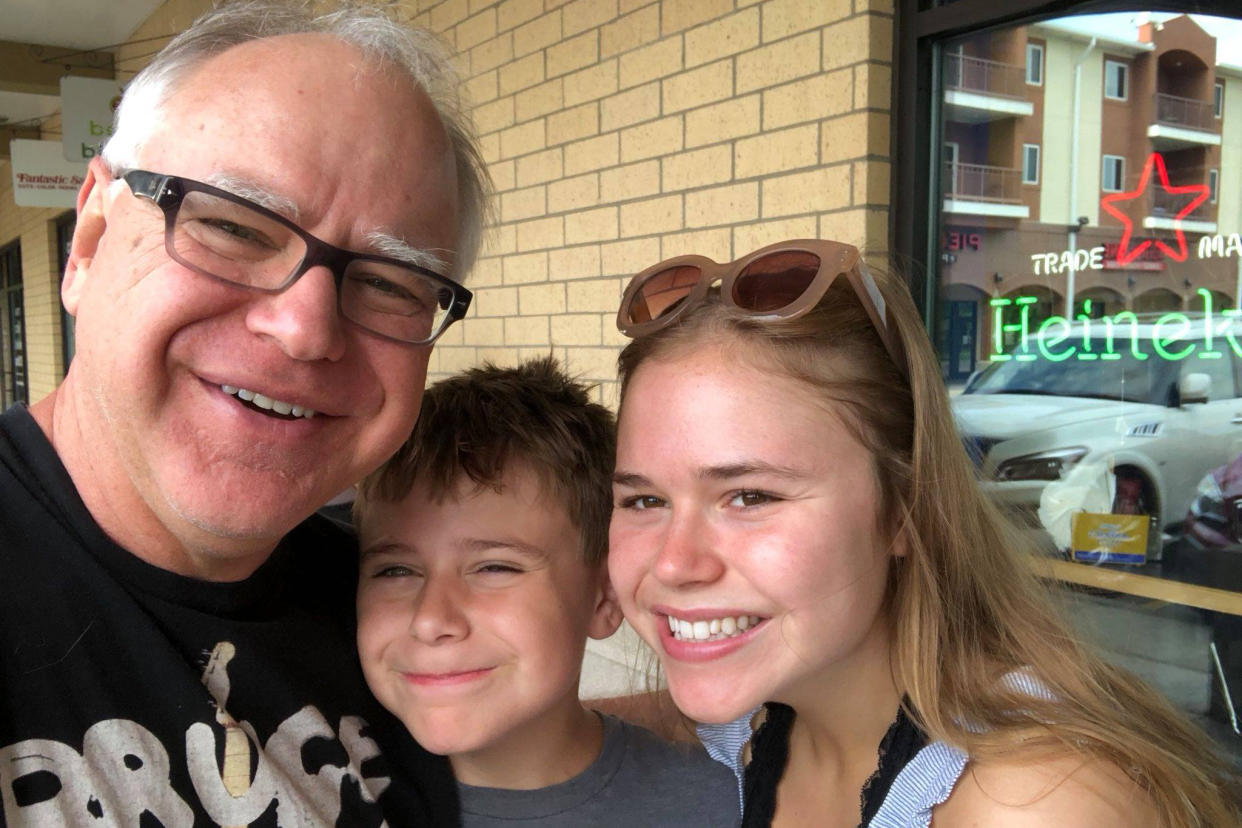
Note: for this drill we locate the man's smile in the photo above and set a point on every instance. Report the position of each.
(268, 405)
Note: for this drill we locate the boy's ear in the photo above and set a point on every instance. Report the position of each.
(87, 232)
(607, 614)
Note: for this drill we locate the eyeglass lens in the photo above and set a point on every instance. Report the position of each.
(232, 242)
(774, 281)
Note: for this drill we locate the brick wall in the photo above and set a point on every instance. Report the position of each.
(621, 132)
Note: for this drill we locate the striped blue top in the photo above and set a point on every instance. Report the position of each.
(925, 781)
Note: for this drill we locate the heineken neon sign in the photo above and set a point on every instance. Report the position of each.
(1057, 339)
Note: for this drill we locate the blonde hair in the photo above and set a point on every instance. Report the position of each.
(965, 604)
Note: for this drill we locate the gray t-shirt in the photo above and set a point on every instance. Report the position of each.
(638, 780)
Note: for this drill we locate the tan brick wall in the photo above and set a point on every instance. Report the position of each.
(618, 132)
(621, 132)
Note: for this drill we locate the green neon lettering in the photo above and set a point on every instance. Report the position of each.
(1161, 343)
(998, 332)
(1208, 352)
(1046, 343)
(1110, 323)
(1085, 318)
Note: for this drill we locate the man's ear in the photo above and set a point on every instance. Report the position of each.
(87, 232)
(606, 616)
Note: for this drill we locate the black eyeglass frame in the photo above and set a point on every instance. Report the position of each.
(168, 191)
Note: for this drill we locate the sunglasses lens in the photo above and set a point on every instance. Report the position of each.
(662, 293)
(774, 281)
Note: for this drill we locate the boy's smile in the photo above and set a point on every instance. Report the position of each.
(472, 616)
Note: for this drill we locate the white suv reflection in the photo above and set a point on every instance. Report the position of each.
(1156, 399)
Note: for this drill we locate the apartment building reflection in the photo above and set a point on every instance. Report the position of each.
(1095, 172)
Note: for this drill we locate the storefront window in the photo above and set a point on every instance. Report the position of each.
(1086, 307)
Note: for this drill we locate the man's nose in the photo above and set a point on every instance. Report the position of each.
(302, 319)
(687, 556)
(438, 612)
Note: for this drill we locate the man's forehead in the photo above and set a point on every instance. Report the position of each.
(286, 137)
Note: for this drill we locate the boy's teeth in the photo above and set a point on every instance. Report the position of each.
(267, 403)
(714, 629)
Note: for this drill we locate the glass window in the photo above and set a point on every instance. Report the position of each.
(1116, 79)
(1113, 174)
(1034, 64)
(1088, 317)
(1030, 163)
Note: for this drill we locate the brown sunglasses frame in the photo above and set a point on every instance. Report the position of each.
(835, 259)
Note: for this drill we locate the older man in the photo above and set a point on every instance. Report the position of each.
(262, 261)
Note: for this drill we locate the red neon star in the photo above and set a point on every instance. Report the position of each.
(1126, 254)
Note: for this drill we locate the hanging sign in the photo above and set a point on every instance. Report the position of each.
(86, 107)
(41, 175)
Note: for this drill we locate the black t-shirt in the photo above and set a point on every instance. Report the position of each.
(133, 696)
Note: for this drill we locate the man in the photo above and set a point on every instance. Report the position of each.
(262, 259)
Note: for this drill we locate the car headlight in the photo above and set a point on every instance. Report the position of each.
(1044, 465)
(1209, 489)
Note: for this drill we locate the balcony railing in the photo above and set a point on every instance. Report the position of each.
(977, 182)
(1162, 204)
(1189, 113)
(971, 74)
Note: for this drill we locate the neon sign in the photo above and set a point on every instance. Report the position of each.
(1223, 246)
(1056, 340)
(1126, 253)
(1076, 260)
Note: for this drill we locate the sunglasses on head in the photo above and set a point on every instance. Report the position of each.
(780, 281)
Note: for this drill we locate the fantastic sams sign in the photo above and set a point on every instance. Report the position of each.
(1168, 337)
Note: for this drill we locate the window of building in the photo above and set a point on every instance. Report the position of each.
(1116, 80)
(1034, 64)
(952, 173)
(1113, 174)
(1029, 264)
(1030, 163)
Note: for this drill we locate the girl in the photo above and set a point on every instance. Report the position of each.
(797, 529)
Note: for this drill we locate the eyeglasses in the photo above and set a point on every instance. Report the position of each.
(231, 239)
(781, 281)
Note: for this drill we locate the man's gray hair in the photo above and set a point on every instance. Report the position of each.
(416, 52)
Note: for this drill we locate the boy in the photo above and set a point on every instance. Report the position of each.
(482, 574)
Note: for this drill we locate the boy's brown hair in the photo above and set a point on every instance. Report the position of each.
(479, 422)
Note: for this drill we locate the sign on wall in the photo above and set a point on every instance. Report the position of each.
(41, 175)
(86, 106)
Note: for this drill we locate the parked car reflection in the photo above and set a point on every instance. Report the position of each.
(1120, 397)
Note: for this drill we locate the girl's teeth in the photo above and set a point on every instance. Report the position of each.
(714, 629)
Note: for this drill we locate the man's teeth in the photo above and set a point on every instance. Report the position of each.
(267, 403)
(711, 630)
